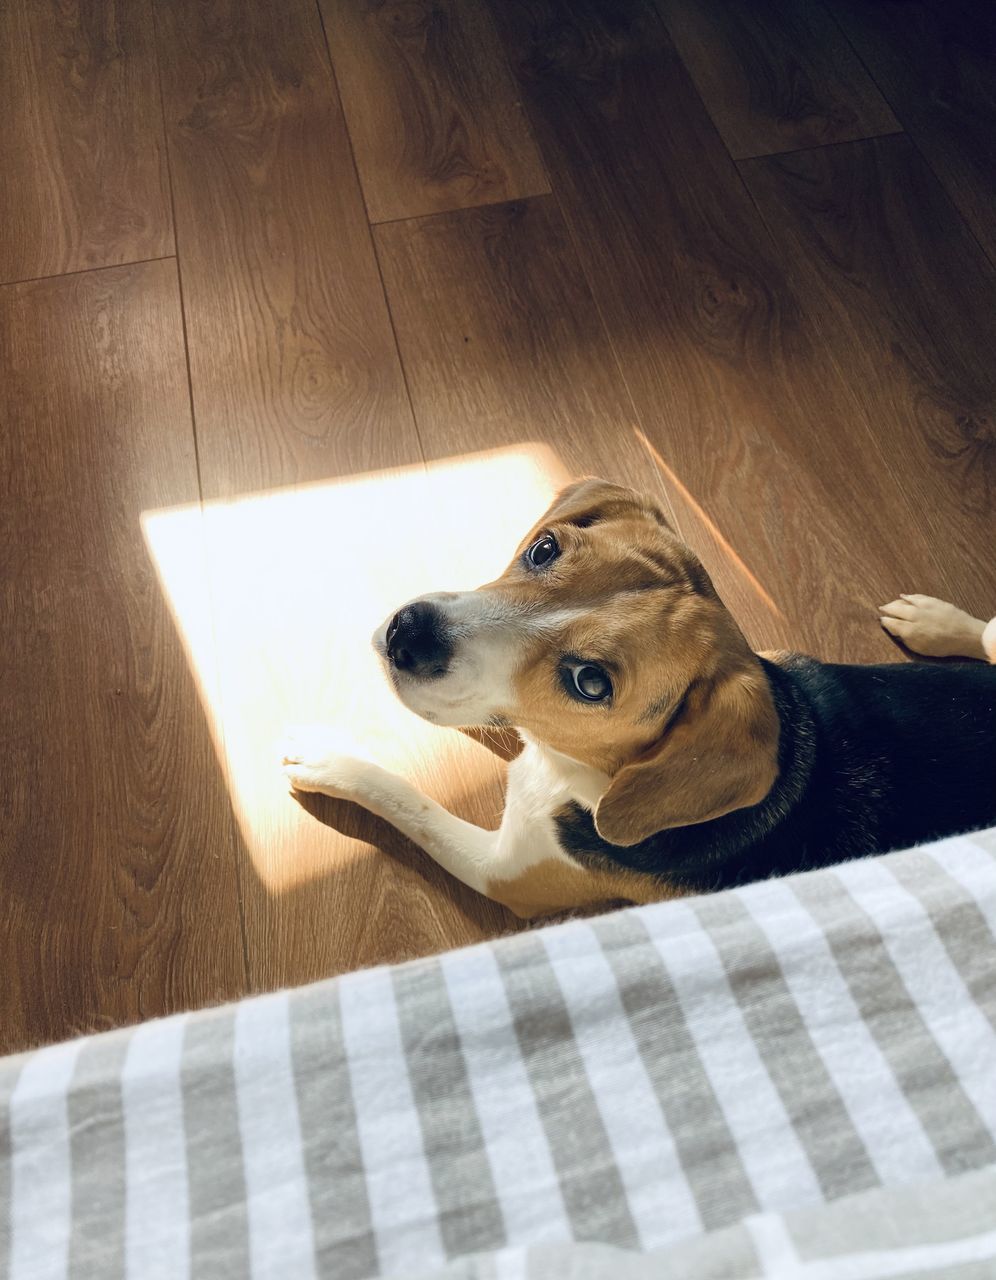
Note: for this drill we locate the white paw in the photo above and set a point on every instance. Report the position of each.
(316, 758)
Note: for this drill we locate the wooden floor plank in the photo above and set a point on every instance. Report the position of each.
(295, 374)
(117, 843)
(755, 427)
(433, 114)
(908, 309)
(502, 342)
(81, 148)
(935, 61)
(775, 75)
(311, 468)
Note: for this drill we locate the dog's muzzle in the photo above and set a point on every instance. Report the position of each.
(418, 643)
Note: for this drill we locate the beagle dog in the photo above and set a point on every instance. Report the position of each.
(662, 755)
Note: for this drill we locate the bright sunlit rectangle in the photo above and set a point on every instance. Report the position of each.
(277, 617)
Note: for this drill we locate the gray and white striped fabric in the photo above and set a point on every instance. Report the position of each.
(929, 1229)
(679, 1089)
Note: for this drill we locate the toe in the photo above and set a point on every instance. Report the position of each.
(298, 777)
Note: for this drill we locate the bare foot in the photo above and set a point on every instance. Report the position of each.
(934, 627)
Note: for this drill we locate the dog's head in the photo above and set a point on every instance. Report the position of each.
(604, 640)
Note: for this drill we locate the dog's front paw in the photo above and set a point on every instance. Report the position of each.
(319, 759)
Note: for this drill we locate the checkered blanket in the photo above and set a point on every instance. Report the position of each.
(796, 1078)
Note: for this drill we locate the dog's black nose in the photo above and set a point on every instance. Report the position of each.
(417, 642)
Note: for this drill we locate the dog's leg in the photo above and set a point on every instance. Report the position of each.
(934, 627)
(311, 763)
(521, 866)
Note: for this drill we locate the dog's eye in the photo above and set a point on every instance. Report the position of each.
(543, 551)
(585, 680)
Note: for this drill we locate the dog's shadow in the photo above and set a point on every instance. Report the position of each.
(356, 823)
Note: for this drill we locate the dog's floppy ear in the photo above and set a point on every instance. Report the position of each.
(719, 753)
(591, 501)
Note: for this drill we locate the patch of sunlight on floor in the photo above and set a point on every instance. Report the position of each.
(277, 594)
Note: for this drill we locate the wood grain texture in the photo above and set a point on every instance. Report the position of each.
(502, 342)
(935, 61)
(775, 75)
(81, 147)
(295, 374)
(117, 844)
(296, 379)
(908, 314)
(433, 113)
(749, 414)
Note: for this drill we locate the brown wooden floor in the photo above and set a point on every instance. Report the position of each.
(307, 307)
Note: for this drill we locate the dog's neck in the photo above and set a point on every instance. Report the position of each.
(583, 782)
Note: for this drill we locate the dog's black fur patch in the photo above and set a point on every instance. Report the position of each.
(871, 758)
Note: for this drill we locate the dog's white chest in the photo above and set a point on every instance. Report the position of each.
(541, 781)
